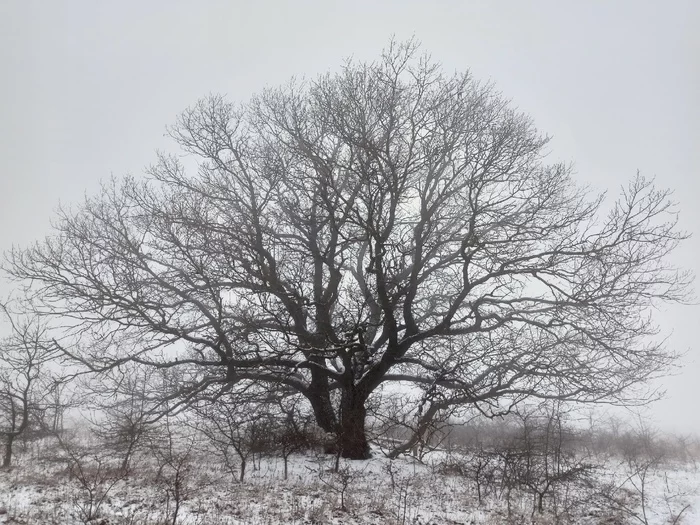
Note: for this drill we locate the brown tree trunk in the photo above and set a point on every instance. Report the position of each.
(7, 459)
(349, 432)
(241, 476)
(127, 456)
(323, 412)
(352, 438)
(319, 397)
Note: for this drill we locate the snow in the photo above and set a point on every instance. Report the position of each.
(40, 489)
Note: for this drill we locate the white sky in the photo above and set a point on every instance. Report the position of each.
(88, 88)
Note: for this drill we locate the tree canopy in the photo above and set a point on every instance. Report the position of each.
(386, 223)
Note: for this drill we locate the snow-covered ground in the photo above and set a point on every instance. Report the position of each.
(40, 489)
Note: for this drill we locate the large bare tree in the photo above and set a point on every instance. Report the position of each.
(386, 223)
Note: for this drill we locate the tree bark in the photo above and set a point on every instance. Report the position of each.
(319, 397)
(348, 426)
(127, 456)
(352, 438)
(241, 476)
(7, 459)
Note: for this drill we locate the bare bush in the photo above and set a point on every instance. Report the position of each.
(237, 430)
(122, 400)
(644, 454)
(93, 473)
(174, 455)
(292, 431)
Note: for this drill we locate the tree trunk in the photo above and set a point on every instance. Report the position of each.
(352, 439)
(127, 456)
(319, 397)
(241, 476)
(7, 459)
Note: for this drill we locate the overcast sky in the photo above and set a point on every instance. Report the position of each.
(88, 88)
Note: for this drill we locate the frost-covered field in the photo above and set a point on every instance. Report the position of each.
(195, 489)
